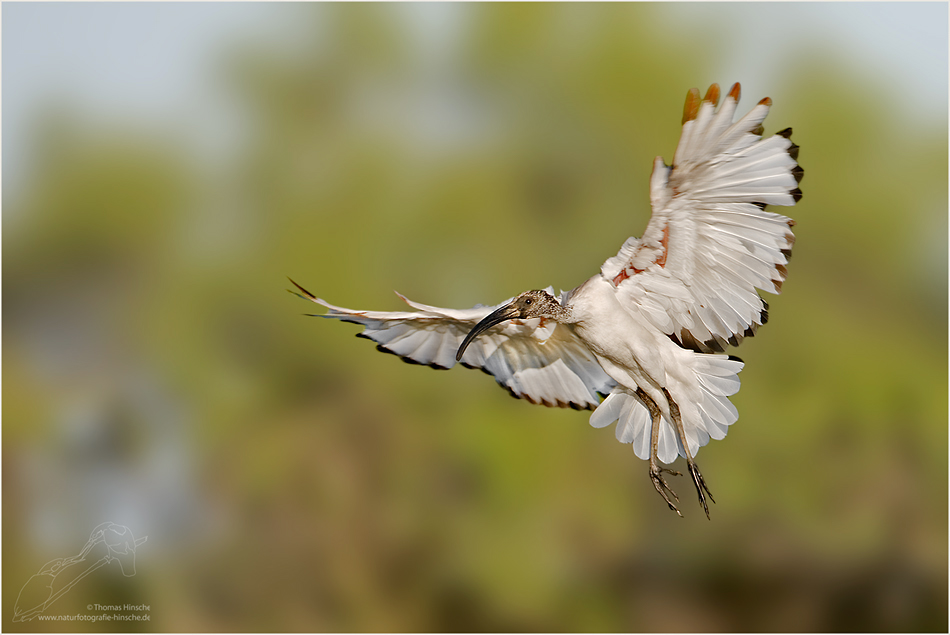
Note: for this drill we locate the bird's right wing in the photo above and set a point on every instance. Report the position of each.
(710, 242)
(537, 360)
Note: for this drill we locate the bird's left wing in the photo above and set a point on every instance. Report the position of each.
(536, 360)
(710, 242)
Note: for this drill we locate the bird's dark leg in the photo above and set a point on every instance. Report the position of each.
(656, 472)
(701, 488)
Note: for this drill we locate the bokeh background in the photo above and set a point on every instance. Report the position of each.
(165, 166)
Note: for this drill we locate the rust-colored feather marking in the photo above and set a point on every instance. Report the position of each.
(790, 239)
(712, 95)
(661, 260)
(766, 101)
(735, 91)
(306, 293)
(691, 108)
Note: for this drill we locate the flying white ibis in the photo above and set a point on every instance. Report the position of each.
(644, 331)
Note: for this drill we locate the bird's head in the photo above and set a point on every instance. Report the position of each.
(530, 304)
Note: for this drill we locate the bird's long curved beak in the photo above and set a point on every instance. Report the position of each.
(499, 315)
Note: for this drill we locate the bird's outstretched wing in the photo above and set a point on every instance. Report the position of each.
(537, 360)
(710, 243)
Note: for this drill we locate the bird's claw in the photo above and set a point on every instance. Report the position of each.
(656, 475)
(701, 488)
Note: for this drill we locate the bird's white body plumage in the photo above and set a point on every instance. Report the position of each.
(635, 354)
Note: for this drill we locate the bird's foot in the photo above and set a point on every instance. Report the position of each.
(701, 488)
(656, 475)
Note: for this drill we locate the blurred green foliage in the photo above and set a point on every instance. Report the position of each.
(313, 484)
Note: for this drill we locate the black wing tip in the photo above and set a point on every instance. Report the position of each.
(573, 405)
(408, 360)
(793, 148)
(718, 344)
(686, 340)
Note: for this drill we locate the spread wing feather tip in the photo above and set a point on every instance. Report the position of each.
(710, 243)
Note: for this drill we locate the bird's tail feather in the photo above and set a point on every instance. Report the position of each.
(709, 418)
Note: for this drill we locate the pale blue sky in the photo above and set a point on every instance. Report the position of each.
(156, 61)
(901, 47)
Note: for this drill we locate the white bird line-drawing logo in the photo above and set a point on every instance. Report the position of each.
(58, 576)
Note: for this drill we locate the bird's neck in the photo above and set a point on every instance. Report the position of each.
(564, 314)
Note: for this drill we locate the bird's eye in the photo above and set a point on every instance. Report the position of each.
(527, 301)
